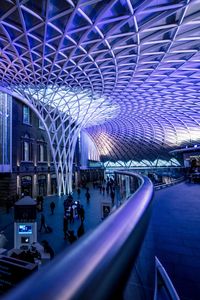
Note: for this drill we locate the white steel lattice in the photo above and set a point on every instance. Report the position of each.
(137, 61)
(64, 112)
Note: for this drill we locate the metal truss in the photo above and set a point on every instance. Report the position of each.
(144, 163)
(126, 70)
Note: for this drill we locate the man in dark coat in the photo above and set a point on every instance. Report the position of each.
(42, 223)
(52, 206)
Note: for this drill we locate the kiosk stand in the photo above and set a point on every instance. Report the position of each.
(25, 225)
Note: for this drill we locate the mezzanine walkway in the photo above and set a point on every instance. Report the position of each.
(176, 225)
(174, 237)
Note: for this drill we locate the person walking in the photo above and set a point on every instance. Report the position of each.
(42, 223)
(87, 196)
(65, 227)
(52, 206)
(103, 190)
(48, 249)
(82, 214)
(112, 194)
(41, 202)
(78, 192)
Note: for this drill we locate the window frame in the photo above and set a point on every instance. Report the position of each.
(26, 114)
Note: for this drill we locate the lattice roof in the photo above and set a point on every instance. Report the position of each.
(140, 56)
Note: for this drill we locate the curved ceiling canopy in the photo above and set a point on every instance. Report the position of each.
(140, 56)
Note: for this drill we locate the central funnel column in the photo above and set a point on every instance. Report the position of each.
(64, 112)
(63, 144)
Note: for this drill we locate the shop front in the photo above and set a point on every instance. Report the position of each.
(42, 185)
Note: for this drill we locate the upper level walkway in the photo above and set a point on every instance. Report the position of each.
(173, 236)
(176, 226)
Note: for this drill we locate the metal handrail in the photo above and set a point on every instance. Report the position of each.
(160, 186)
(163, 284)
(98, 266)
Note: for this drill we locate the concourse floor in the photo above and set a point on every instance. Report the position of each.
(56, 238)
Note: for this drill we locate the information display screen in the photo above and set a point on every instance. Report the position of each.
(25, 229)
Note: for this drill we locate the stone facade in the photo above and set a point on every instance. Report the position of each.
(34, 176)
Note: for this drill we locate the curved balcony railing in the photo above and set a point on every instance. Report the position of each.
(98, 266)
(161, 186)
(164, 288)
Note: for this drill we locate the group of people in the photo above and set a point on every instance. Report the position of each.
(68, 234)
(73, 209)
(106, 185)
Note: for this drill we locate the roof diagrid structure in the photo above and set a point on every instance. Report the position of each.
(127, 70)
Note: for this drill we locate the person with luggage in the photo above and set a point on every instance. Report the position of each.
(42, 223)
(48, 249)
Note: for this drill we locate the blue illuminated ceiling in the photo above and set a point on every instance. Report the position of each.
(141, 56)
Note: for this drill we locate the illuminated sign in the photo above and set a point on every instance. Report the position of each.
(25, 229)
